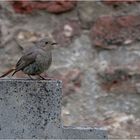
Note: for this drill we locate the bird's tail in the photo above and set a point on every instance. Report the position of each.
(7, 72)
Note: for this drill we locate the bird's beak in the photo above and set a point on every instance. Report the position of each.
(54, 43)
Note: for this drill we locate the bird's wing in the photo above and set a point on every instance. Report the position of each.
(25, 60)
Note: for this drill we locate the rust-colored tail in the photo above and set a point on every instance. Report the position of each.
(7, 72)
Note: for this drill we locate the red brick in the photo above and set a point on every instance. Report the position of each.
(22, 6)
(29, 6)
(114, 2)
(112, 31)
(60, 6)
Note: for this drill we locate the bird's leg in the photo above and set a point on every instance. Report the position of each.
(41, 77)
(30, 76)
(44, 78)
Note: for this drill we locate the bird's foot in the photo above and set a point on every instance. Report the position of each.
(42, 77)
(46, 78)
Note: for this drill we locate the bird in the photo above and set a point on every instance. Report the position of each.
(35, 60)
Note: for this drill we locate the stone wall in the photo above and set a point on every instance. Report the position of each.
(97, 58)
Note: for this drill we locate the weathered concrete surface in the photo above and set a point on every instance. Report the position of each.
(71, 132)
(27, 107)
(83, 133)
(32, 109)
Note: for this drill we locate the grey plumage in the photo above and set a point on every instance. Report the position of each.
(36, 59)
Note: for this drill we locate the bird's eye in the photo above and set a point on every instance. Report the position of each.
(46, 42)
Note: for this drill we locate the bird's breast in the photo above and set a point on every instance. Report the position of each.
(42, 63)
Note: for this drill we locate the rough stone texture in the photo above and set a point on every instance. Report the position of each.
(32, 109)
(120, 76)
(101, 86)
(89, 11)
(110, 32)
(51, 6)
(66, 32)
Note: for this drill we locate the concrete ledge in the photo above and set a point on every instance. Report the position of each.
(84, 133)
(32, 109)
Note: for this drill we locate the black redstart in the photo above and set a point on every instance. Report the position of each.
(36, 59)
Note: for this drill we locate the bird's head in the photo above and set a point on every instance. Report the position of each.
(46, 43)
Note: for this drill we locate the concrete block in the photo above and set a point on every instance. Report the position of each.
(84, 132)
(32, 109)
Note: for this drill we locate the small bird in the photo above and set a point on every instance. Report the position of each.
(35, 60)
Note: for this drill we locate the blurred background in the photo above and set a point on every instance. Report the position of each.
(97, 57)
